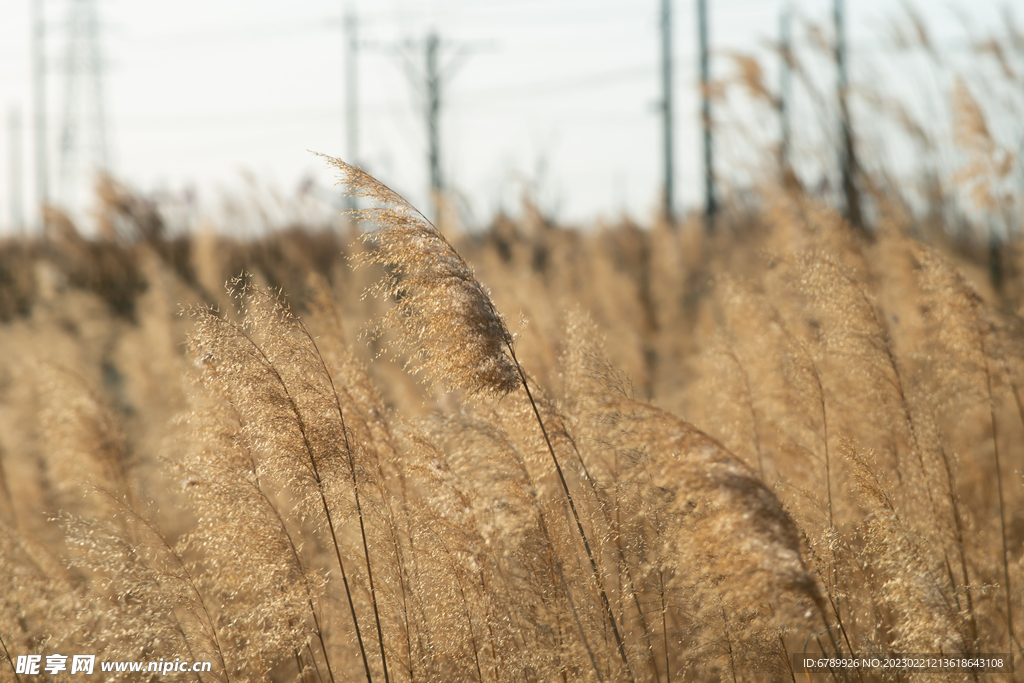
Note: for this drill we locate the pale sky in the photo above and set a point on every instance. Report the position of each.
(563, 94)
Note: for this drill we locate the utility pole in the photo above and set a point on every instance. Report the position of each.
(83, 147)
(710, 206)
(433, 88)
(39, 109)
(351, 94)
(785, 88)
(666, 95)
(14, 168)
(431, 82)
(847, 158)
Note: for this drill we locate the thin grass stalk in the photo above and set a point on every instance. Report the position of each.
(320, 490)
(786, 658)
(465, 605)
(631, 585)
(315, 667)
(10, 661)
(618, 544)
(560, 646)
(366, 552)
(836, 646)
(890, 357)
(405, 580)
(557, 564)
(351, 463)
(189, 581)
(839, 653)
(664, 623)
(323, 645)
(490, 626)
(816, 375)
(821, 646)
(576, 617)
(575, 514)
(188, 645)
(749, 396)
(424, 640)
(568, 595)
(309, 598)
(952, 583)
(728, 645)
(355, 490)
(1020, 404)
(828, 486)
(298, 563)
(999, 478)
(958, 525)
(828, 462)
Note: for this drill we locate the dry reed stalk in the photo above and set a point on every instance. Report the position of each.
(170, 605)
(249, 550)
(86, 443)
(481, 469)
(446, 320)
(783, 368)
(913, 583)
(948, 284)
(10, 660)
(443, 317)
(860, 335)
(282, 381)
(694, 507)
(318, 359)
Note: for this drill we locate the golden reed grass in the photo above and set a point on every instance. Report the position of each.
(822, 452)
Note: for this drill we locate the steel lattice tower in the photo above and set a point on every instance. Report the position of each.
(83, 138)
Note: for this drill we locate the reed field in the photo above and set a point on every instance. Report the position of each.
(379, 450)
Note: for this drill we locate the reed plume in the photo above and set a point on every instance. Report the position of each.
(446, 319)
(270, 368)
(822, 452)
(442, 316)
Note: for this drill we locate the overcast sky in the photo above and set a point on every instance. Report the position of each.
(559, 94)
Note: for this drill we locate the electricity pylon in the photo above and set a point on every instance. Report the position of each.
(83, 139)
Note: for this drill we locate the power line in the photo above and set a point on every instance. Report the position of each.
(570, 83)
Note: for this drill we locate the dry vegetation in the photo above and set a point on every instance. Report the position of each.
(234, 476)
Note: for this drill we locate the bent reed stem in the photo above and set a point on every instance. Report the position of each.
(319, 486)
(355, 491)
(999, 476)
(575, 514)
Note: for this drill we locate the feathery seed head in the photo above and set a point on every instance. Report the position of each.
(443, 317)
